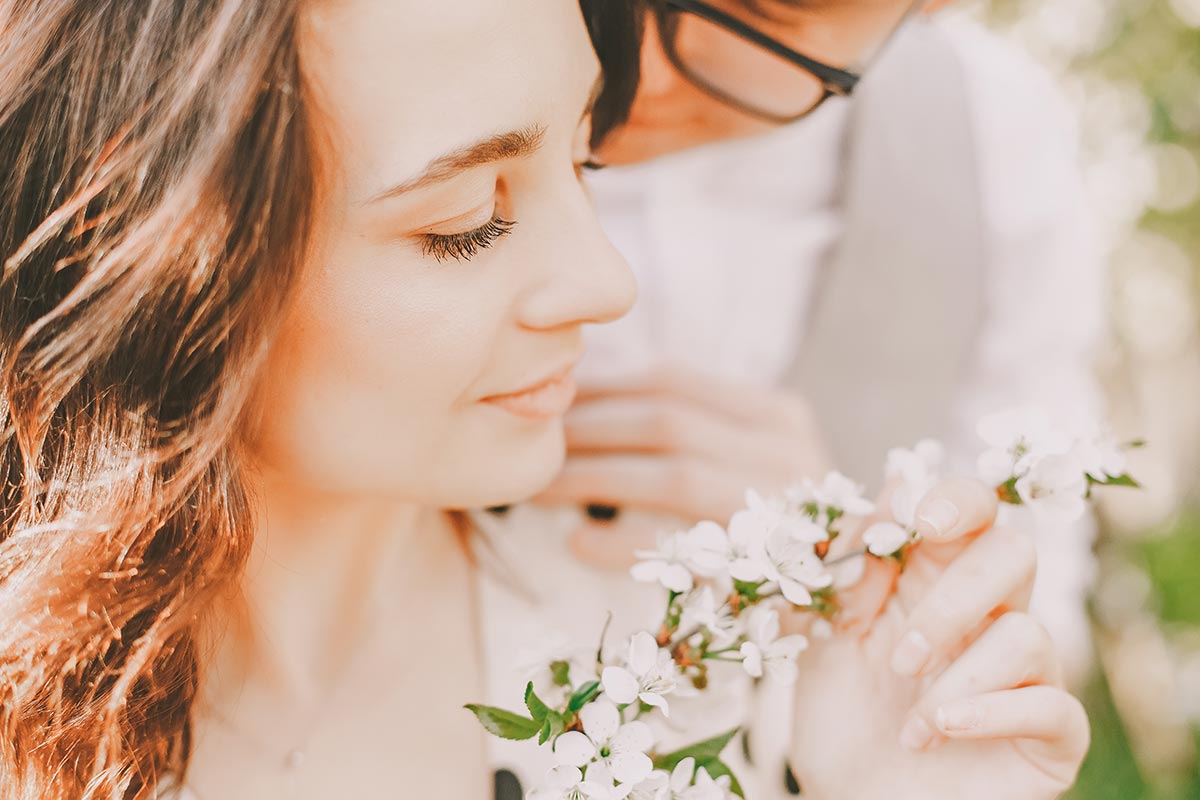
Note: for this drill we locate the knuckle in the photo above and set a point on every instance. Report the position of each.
(1024, 636)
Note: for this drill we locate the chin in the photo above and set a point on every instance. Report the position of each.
(512, 471)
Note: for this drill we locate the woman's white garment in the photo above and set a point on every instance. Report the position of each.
(727, 242)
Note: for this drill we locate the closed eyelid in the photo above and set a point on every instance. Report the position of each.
(471, 219)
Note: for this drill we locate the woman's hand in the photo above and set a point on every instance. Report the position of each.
(940, 686)
(682, 443)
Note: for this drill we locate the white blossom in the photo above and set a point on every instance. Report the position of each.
(918, 463)
(707, 549)
(620, 746)
(649, 674)
(655, 787)
(667, 565)
(764, 651)
(599, 783)
(1018, 439)
(885, 538)
(561, 783)
(914, 473)
(574, 749)
(702, 609)
(706, 788)
(1100, 456)
(836, 491)
(1055, 487)
(793, 564)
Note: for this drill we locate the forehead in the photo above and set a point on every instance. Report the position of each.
(402, 81)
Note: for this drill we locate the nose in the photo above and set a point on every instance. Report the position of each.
(658, 75)
(582, 278)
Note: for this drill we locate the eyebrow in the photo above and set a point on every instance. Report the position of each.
(514, 144)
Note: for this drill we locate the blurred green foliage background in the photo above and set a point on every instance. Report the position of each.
(1132, 67)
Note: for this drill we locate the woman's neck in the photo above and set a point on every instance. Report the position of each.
(326, 571)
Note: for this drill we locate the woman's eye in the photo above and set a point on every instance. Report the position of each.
(465, 246)
(591, 164)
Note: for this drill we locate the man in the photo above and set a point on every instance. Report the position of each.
(820, 280)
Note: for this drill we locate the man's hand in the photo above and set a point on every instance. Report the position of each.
(681, 443)
(943, 687)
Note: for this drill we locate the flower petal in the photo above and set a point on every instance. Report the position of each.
(648, 571)
(601, 720)
(752, 660)
(619, 684)
(632, 737)
(676, 577)
(746, 570)
(795, 592)
(656, 700)
(884, 538)
(574, 749)
(643, 653)
(631, 767)
(681, 776)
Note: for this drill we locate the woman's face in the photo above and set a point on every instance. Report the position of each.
(456, 258)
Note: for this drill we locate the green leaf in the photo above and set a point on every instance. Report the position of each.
(583, 695)
(747, 590)
(560, 671)
(707, 750)
(716, 768)
(552, 727)
(1121, 480)
(504, 724)
(537, 709)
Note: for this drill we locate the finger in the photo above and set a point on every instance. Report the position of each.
(670, 426)
(751, 404)
(686, 487)
(612, 545)
(1048, 713)
(1014, 652)
(954, 509)
(995, 570)
(1054, 724)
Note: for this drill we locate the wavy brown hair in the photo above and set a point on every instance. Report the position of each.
(158, 180)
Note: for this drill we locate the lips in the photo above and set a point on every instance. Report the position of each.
(546, 399)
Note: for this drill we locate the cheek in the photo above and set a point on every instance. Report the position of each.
(371, 379)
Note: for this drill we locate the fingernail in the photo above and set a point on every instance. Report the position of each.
(916, 733)
(911, 654)
(959, 716)
(936, 518)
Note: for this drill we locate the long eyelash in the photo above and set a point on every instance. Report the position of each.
(465, 246)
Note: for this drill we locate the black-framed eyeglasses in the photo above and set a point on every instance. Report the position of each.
(745, 68)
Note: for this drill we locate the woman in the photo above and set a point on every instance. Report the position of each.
(307, 270)
(282, 283)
